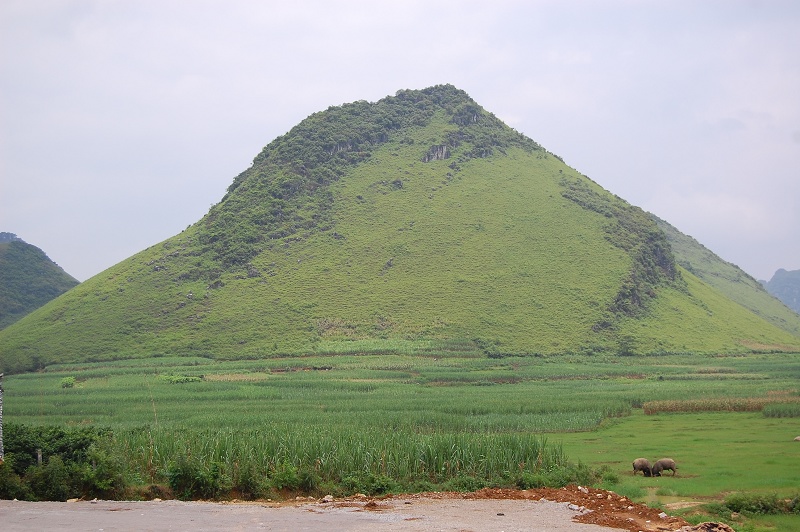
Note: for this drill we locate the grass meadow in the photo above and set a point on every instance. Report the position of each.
(414, 418)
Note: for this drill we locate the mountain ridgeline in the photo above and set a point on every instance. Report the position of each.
(418, 223)
(28, 279)
(785, 285)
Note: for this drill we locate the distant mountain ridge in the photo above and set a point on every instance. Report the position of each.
(417, 223)
(729, 279)
(28, 279)
(785, 285)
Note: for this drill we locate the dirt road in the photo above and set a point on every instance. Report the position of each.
(501, 510)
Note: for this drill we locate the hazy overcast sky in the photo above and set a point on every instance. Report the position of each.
(122, 122)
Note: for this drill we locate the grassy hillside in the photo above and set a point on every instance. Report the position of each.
(416, 223)
(28, 279)
(729, 279)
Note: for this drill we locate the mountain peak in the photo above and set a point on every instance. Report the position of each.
(417, 223)
(8, 237)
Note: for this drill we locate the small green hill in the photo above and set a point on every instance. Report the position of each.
(785, 285)
(28, 279)
(416, 223)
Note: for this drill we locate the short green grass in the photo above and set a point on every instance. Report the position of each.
(716, 453)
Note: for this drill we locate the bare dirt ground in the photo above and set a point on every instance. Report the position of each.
(568, 509)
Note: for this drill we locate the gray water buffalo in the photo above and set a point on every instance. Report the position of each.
(643, 465)
(663, 464)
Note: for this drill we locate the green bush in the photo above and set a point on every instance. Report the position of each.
(369, 484)
(607, 475)
(104, 475)
(189, 479)
(247, 481)
(70, 444)
(11, 485)
(528, 481)
(285, 477)
(309, 480)
(54, 481)
(68, 382)
(755, 503)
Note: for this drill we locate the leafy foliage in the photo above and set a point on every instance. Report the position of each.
(70, 445)
(761, 503)
(75, 462)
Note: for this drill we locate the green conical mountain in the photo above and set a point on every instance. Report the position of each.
(418, 222)
(28, 279)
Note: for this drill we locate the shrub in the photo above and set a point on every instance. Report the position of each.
(104, 476)
(11, 485)
(755, 503)
(68, 382)
(607, 475)
(560, 477)
(285, 477)
(369, 484)
(190, 478)
(309, 480)
(70, 444)
(247, 481)
(54, 481)
(531, 481)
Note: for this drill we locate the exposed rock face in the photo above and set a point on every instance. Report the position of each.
(437, 153)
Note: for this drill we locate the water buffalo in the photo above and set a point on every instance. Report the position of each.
(643, 465)
(661, 465)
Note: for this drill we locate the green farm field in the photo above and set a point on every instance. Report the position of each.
(414, 417)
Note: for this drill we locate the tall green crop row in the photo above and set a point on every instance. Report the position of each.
(272, 461)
